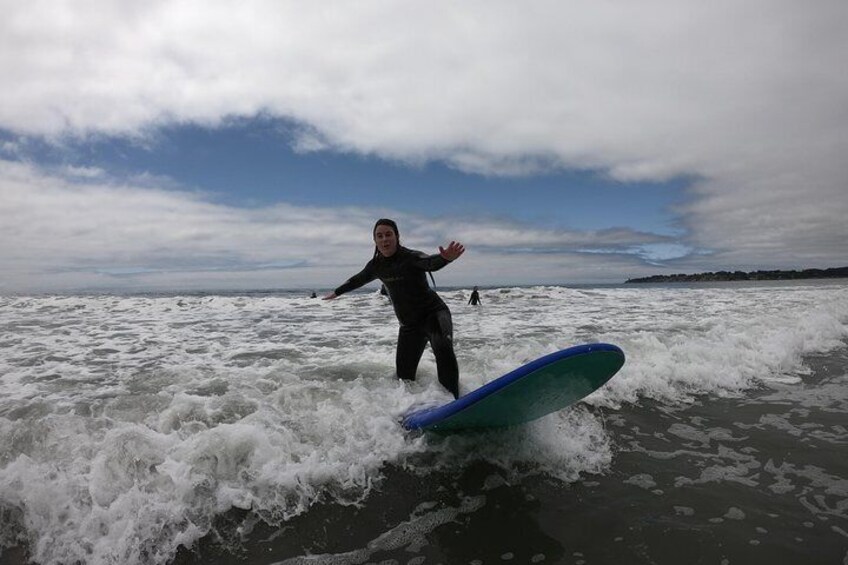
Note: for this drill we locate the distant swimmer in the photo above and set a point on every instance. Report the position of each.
(314, 295)
(423, 315)
(475, 297)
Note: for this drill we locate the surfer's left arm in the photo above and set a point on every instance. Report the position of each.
(442, 258)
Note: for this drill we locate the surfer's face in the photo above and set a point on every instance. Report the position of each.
(386, 240)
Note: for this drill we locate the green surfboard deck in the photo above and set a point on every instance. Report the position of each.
(530, 392)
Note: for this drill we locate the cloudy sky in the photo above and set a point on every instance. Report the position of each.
(176, 144)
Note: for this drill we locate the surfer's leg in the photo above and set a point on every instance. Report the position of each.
(411, 343)
(440, 332)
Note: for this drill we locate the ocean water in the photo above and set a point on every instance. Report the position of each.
(263, 428)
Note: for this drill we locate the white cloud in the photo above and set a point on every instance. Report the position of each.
(748, 96)
(83, 172)
(77, 232)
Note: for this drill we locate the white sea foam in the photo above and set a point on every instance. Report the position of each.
(127, 424)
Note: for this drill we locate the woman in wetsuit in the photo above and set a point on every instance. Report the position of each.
(422, 314)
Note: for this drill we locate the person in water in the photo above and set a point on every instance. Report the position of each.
(475, 297)
(423, 315)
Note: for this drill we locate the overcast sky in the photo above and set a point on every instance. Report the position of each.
(213, 145)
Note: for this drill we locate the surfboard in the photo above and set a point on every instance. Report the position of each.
(548, 384)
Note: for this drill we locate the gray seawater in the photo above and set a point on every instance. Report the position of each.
(263, 428)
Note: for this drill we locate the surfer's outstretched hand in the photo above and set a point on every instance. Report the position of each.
(331, 296)
(454, 250)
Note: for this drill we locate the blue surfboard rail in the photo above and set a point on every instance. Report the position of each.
(428, 417)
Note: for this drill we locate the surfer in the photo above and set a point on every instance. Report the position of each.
(475, 297)
(422, 314)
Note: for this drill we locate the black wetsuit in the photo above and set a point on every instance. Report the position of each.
(422, 314)
(475, 298)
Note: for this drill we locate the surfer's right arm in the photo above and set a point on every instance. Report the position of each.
(361, 278)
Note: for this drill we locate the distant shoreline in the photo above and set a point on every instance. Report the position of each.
(719, 276)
